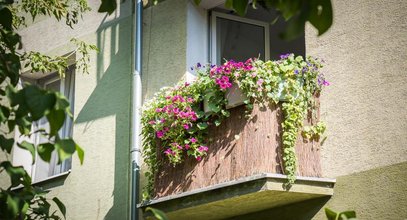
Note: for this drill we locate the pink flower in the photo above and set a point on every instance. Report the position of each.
(193, 140)
(187, 146)
(162, 120)
(186, 84)
(198, 158)
(203, 148)
(186, 126)
(175, 110)
(168, 151)
(166, 129)
(190, 100)
(260, 82)
(158, 110)
(151, 122)
(160, 134)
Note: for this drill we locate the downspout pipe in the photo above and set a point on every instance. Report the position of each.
(135, 150)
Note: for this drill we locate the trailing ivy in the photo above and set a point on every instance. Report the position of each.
(174, 124)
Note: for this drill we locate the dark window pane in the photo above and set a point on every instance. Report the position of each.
(238, 41)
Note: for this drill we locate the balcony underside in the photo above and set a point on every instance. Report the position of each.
(242, 196)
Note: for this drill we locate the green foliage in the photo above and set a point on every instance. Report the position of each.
(314, 132)
(21, 107)
(158, 214)
(346, 215)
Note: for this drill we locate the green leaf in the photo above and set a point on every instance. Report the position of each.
(6, 144)
(225, 113)
(13, 205)
(108, 6)
(240, 6)
(65, 148)
(60, 205)
(28, 146)
(160, 215)
(320, 15)
(214, 107)
(197, 2)
(56, 119)
(6, 18)
(17, 174)
(331, 215)
(217, 122)
(229, 3)
(4, 113)
(38, 101)
(81, 153)
(347, 215)
(202, 125)
(45, 151)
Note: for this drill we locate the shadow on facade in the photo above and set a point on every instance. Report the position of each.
(111, 97)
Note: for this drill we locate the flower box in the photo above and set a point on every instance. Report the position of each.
(236, 97)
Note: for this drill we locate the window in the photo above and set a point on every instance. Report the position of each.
(238, 38)
(42, 170)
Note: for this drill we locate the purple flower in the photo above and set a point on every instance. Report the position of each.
(284, 56)
(296, 72)
(198, 65)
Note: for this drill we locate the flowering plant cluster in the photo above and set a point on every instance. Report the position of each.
(175, 126)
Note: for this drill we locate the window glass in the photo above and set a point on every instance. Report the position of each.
(238, 40)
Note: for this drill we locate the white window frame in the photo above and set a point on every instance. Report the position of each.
(57, 169)
(214, 42)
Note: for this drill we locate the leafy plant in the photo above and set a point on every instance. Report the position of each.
(20, 108)
(346, 215)
(175, 125)
(296, 12)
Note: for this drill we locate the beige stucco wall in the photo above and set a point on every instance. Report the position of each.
(365, 107)
(99, 189)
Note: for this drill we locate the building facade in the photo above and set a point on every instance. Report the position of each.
(364, 107)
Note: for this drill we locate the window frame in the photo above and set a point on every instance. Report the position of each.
(214, 42)
(64, 168)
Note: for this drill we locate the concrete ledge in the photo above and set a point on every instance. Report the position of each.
(242, 196)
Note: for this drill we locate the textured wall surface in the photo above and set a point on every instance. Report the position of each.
(164, 45)
(365, 109)
(99, 189)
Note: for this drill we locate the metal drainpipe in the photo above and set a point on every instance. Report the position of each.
(135, 111)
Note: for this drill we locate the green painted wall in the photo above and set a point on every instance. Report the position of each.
(164, 45)
(99, 189)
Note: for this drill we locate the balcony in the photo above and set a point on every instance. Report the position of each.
(243, 171)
